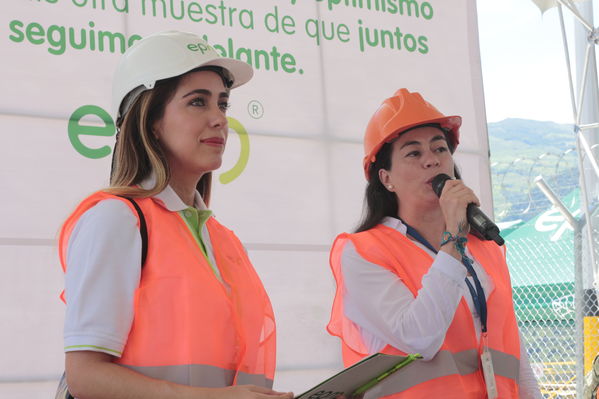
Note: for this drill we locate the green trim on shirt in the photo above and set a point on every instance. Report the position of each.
(195, 219)
(94, 347)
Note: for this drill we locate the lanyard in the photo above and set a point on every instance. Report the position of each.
(478, 295)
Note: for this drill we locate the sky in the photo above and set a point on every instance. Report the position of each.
(523, 62)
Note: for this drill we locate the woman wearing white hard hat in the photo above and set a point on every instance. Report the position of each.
(162, 300)
(411, 279)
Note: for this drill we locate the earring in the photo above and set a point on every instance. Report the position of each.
(390, 187)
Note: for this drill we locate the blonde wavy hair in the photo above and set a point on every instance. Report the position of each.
(138, 153)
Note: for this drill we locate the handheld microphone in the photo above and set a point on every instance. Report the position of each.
(480, 224)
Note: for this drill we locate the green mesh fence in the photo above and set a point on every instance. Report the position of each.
(543, 279)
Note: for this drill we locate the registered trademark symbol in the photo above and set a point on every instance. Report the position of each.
(255, 109)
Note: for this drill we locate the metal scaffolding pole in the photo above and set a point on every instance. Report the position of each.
(586, 116)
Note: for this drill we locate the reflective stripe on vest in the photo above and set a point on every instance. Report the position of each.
(200, 375)
(446, 363)
(456, 366)
(186, 322)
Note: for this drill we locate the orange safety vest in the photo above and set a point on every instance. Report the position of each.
(455, 370)
(188, 327)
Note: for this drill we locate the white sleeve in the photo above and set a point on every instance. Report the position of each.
(529, 387)
(387, 312)
(103, 271)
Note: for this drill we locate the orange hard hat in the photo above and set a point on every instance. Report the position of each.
(399, 113)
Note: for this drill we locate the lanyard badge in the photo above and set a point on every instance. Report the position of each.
(488, 372)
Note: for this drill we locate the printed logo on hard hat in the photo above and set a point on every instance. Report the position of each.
(91, 120)
(202, 47)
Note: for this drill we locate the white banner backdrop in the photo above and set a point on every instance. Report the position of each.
(287, 187)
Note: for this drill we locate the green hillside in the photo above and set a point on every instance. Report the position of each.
(512, 138)
(522, 149)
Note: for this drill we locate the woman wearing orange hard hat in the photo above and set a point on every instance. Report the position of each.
(162, 301)
(413, 279)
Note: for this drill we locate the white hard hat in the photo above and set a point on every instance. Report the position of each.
(165, 55)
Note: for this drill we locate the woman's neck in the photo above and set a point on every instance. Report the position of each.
(430, 223)
(185, 188)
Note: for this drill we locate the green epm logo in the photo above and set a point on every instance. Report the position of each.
(107, 129)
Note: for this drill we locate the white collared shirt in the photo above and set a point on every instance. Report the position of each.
(386, 312)
(104, 269)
